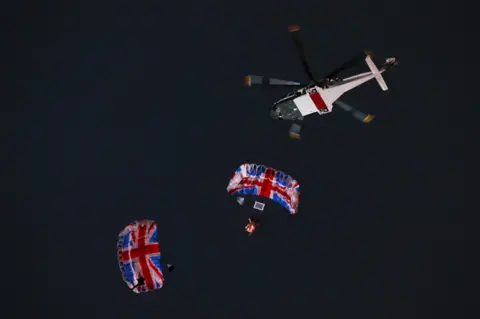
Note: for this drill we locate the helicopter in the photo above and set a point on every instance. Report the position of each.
(319, 96)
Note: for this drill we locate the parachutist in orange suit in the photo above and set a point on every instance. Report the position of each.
(251, 226)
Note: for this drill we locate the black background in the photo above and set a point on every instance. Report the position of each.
(129, 110)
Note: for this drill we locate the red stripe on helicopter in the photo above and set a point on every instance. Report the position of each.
(318, 101)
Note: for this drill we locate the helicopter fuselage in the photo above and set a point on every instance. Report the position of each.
(296, 105)
(315, 99)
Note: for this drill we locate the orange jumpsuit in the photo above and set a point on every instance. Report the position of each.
(250, 228)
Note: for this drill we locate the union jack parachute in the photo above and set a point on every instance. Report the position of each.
(139, 256)
(255, 179)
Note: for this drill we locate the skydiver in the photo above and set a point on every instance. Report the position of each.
(252, 225)
(140, 282)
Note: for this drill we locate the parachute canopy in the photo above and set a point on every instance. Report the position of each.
(254, 179)
(139, 256)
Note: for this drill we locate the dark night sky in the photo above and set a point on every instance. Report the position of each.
(127, 111)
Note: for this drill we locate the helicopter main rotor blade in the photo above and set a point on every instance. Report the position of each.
(295, 130)
(293, 29)
(365, 118)
(359, 58)
(264, 81)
